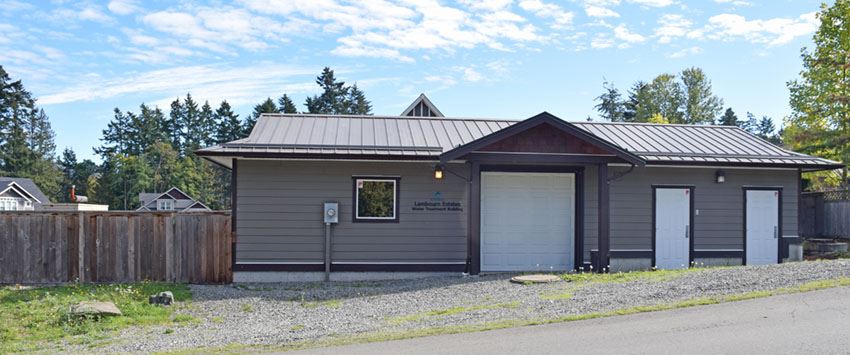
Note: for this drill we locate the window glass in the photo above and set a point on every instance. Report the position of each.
(165, 205)
(376, 199)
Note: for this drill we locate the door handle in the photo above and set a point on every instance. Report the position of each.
(687, 231)
(775, 232)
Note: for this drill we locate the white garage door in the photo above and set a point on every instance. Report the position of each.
(527, 221)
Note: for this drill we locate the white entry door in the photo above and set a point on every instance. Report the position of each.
(672, 228)
(762, 227)
(527, 221)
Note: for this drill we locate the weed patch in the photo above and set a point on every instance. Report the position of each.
(326, 304)
(30, 319)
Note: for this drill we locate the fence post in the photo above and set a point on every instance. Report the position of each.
(81, 247)
(169, 249)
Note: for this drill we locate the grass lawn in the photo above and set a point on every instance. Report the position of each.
(36, 318)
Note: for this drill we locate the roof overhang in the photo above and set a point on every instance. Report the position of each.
(802, 166)
(540, 119)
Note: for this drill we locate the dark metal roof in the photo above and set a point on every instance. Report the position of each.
(395, 137)
(26, 184)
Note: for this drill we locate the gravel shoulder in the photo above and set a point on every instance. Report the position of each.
(290, 313)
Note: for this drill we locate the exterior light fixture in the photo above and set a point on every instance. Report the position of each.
(438, 172)
(720, 176)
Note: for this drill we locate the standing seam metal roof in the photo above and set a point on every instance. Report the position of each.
(397, 136)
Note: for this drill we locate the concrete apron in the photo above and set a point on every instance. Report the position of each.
(302, 276)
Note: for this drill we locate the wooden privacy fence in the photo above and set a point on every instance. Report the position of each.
(51, 247)
(825, 214)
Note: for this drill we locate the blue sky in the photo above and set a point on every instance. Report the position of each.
(494, 58)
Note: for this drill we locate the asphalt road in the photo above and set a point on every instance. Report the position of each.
(816, 322)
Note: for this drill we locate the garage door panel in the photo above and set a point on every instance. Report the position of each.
(527, 221)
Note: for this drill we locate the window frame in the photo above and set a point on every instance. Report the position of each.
(10, 204)
(160, 203)
(355, 200)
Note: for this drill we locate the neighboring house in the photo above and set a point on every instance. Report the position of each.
(172, 200)
(20, 194)
(480, 195)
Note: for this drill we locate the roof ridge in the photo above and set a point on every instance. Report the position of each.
(656, 124)
(388, 117)
(488, 119)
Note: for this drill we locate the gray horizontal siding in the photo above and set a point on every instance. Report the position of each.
(279, 214)
(280, 209)
(719, 224)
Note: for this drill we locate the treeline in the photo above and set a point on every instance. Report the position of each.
(27, 147)
(151, 150)
(683, 98)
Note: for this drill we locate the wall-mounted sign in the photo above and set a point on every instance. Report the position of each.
(438, 204)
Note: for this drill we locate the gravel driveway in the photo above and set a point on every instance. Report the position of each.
(291, 312)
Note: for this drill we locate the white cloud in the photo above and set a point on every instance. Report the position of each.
(387, 29)
(91, 13)
(561, 17)
(685, 52)
(218, 29)
(211, 82)
(599, 11)
(673, 26)
(601, 41)
(653, 3)
(441, 79)
(353, 48)
(622, 33)
(471, 75)
(123, 7)
(775, 31)
(489, 5)
(734, 2)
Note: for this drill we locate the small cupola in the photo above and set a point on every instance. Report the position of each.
(422, 107)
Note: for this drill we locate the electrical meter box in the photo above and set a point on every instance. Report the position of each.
(331, 212)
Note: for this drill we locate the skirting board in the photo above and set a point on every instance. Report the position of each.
(302, 276)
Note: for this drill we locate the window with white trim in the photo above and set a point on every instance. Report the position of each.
(165, 205)
(375, 199)
(8, 204)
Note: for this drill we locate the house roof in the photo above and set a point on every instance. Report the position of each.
(27, 185)
(182, 200)
(427, 138)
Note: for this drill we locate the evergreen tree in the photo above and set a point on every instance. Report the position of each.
(174, 125)
(285, 105)
(765, 130)
(610, 107)
(151, 130)
(229, 125)
(16, 107)
(635, 107)
(751, 124)
(729, 118)
(77, 174)
(333, 99)
(115, 137)
(700, 105)
(192, 125)
(267, 106)
(357, 103)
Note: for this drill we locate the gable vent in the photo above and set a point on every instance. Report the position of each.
(422, 107)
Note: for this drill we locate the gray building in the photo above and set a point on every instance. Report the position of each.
(421, 192)
(20, 194)
(173, 200)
